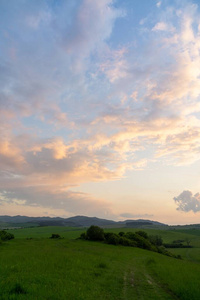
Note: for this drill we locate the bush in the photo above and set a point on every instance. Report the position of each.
(130, 236)
(55, 236)
(6, 236)
(142, 233)
(83, 236)
(142, 242)
(127, 242)
(164, 251)
(121, 233)
(173, 245)
(95, 233)
(156, 240)
(112, 238)
(139, 239)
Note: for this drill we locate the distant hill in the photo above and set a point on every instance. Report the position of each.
(141, 222)
(77, 221)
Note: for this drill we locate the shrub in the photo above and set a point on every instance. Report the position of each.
(139, 240)
(6, 236)
(173, 245)
(164, 251)
(127, 242)
(156, 240)
(83, 236)
(112, 238)
(142, 242)
(55, 236)
(95, 233)
(130, 236)
(121, 233)
(142, 233)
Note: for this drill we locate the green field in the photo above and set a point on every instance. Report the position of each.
(32, 266)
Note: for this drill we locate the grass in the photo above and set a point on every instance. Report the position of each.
(46, 231)
(48, 269)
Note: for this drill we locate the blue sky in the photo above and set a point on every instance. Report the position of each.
(100, 110)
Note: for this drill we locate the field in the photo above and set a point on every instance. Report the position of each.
(32, 266)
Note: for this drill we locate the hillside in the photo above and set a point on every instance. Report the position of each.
(33, 266)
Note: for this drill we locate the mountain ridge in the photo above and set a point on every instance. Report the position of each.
(76, 221)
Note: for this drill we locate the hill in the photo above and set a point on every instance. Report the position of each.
(33, 266)
(76, 221)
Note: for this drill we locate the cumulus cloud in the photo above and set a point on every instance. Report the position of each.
(186, 201)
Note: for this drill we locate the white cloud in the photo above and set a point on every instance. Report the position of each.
(160, 26)
(158, 4)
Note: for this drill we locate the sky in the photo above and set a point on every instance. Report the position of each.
(100, 109)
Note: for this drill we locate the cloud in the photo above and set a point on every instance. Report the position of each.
(129, 215)
(160, 26)
(158, 4)
(78, 106)
(166, 85)
(116, 66)
(91, 25)
(186, 201)
(66, 200)
(10, 154)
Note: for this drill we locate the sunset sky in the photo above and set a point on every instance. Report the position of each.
(100, 109)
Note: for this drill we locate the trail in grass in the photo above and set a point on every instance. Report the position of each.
(139, 284)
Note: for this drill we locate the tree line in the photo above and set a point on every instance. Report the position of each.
(138, 239)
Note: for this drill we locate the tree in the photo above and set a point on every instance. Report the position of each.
(156, 240)
(95, 233)
(142, 233)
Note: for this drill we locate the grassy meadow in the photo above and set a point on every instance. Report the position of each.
(33, 266)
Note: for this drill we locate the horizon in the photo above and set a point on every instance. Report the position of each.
(100, 110)
(151, 220)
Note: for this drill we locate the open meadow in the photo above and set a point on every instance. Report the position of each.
(33, 266)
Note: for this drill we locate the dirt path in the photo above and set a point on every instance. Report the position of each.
(140, 285)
